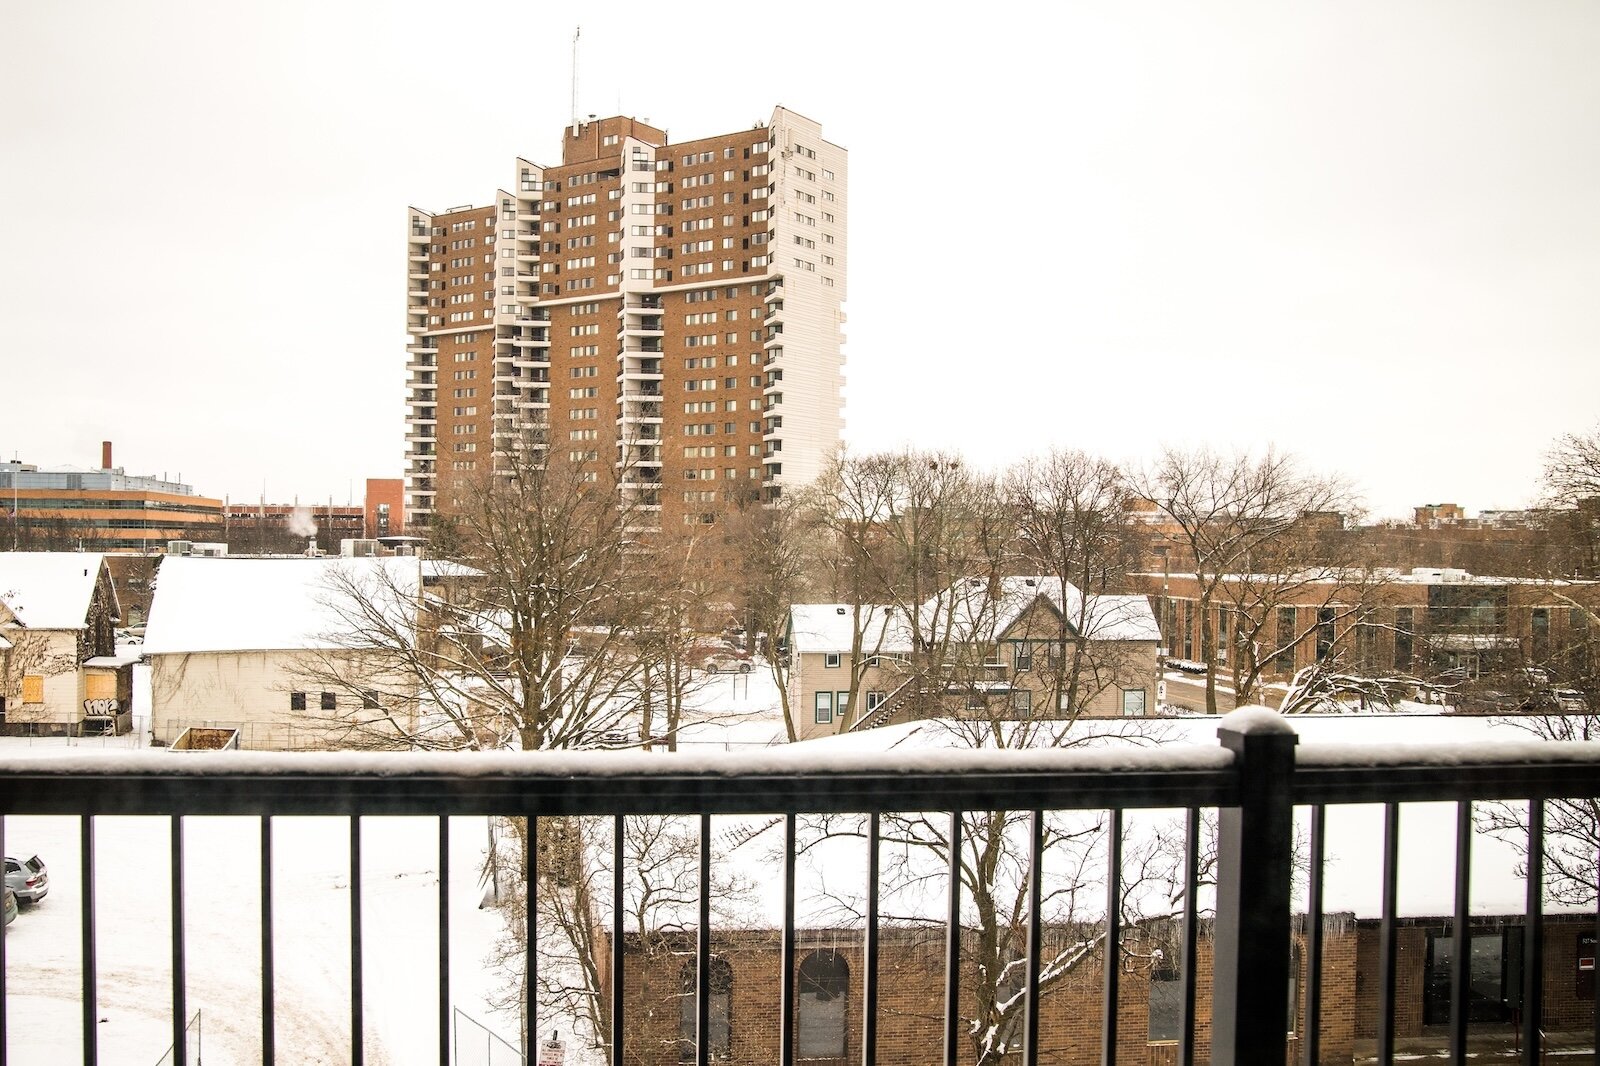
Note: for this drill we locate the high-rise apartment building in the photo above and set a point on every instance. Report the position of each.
(672, 310)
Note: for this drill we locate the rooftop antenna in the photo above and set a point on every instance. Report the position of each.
(576, 30)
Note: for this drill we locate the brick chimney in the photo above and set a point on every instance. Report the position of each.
(105, 455)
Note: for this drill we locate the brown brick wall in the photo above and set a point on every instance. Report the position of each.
(911, 998)
(1565, 1007)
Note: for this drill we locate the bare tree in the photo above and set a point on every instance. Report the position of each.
(904, 527)
(772, 547)
(1072, 512)
(1332, 597)
(673, 591)
(993, 862)
(1234, 515)
(1571, 828)
(529, 637)
(573, 908)
(1572, 467)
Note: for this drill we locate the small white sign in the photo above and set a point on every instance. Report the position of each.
(552, 1054)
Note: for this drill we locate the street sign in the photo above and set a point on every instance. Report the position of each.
(552, 1053)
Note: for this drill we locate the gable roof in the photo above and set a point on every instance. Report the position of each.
(49, 590)
(830, 627)
(209, 605)
(973, 613)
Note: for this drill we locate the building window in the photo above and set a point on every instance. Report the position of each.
(1494, 976)
(297, 701)
(1166, 998)
(841, 706)
(1284, 662)
(831, 660)
(369, 700)
(1021, 702)
(822, 1011)
(874, 697)
(1022, 655)
(330, 702)
(1133, 703)
(719, 1015)
(1325, 634)
(824, 708)
(1404, 623)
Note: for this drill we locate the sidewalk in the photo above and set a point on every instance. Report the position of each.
(1496, 1045)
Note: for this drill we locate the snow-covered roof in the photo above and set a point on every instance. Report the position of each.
(1352, 878)
(208, 605)
(49, 590)
(445, 568)
(830, 627)
(125, 656)
(974, 613)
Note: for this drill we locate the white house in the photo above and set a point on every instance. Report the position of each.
(58, 667)
(246, 644)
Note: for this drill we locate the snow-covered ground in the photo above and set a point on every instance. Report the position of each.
(311, 884)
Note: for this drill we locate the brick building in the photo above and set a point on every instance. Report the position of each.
(1428, 623)
(659, 986)
(385, 507)
(672, 312)
(100, 509)
(287, 528)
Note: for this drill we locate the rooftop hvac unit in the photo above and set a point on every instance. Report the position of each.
(208, 550)
(180, 547)
(358, 549)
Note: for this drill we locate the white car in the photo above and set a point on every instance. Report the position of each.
(726, 664)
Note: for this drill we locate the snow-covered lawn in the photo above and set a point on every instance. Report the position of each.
(311, 884)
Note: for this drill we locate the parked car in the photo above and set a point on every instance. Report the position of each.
(1490, 701)
(11, 906)
(27, 878)
(726, 664)
(1559, 701)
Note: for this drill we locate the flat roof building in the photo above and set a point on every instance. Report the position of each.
(99, 509)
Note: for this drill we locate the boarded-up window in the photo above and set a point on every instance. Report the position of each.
(100, 686)
(32, 688)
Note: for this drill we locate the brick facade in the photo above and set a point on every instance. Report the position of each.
(911, 996)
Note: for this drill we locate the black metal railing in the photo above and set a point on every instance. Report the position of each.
(1254, 779)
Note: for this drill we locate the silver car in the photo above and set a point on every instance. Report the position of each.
(27, 878)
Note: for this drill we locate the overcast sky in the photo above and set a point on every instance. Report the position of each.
(1366, 232)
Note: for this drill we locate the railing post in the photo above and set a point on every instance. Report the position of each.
(1255, 859)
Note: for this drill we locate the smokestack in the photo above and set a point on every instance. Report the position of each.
(105, 455)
